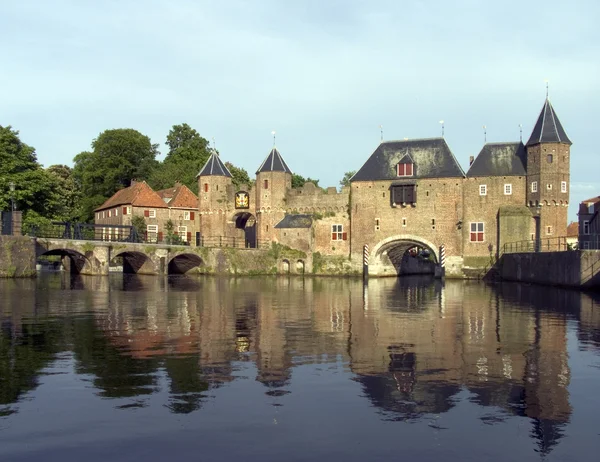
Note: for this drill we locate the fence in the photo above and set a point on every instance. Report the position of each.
(552, 244)
(234, 242)
(86, 232)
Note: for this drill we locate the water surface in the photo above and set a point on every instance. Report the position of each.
(148, 368)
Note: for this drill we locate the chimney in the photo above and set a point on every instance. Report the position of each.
(471, 159)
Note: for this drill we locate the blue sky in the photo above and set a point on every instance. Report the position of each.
(325, 74)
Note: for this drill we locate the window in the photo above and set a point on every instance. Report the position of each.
(586, 245)
(182, 232)
(152, 233)
(590, 207)
(205, 187)
(128, 210)
(483, 190)
(186, 215)
(476, 232)
(507, 189)
(152, 213)
(377, 227)
(403, 221)
(103, 215)
(152, 228)
(405, 169)
(548, 229)
(549, 158)
(116, 212)
(586, 227)
(266, 184)
(563, 186)
(549, 186)
(109, 213)
(337, 233)
(98, 216)
(404, 194)
(534, 186)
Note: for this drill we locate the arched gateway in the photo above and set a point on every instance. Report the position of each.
(403, 254)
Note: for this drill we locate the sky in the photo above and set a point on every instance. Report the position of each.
(324, 74)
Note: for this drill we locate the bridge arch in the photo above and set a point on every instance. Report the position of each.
(184, 262)
(391, 256)
(72, 260)
(135, 262)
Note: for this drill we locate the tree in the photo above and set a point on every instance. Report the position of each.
(188, 152)
(67, 195)
(346, 180)
(298, 181)
(117, 157)
(239, 176)
(139, 224)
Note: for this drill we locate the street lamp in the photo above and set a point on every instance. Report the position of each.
(11, 186)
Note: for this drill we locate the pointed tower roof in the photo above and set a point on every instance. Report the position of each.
(214, 166)
(548, 128)
(274, 163)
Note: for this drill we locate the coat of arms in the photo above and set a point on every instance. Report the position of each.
(242, 200)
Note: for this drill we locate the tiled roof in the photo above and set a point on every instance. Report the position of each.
(180, 196)
(548, 128)
(573, 229)
(274, 163)
(500, 159)
(295, 221)
(593, 200)
(214, 167)
(138, 194)
(432, 159)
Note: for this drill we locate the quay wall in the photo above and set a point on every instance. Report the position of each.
(577, 269)
(17, 257)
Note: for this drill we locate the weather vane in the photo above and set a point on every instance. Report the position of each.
(484, 134)
(273, 133)
(442, 122)
(520, 132)
(381, 132)
(546, 80)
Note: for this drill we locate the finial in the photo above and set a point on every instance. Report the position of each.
(484, 134)
(546, 88)
(381, 132)
(442, 122)
(521, 132)
(273, 133)
(214, 145)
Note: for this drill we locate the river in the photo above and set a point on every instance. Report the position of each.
(130, 368)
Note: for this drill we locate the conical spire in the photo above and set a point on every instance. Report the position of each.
(214, 166)
(274, 163)
(548, 128)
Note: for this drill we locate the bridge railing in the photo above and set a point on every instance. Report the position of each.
(85, 232)
(234, 242)
(551, 244)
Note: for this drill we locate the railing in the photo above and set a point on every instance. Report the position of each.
(552, 244)
(234, 242)
(86, 232)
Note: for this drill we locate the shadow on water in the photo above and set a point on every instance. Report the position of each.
(417, 347)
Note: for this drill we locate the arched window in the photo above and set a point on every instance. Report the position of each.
(549, 158)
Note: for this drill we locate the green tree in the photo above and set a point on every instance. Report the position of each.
(239, 176)
(139, 224)
(67, 195)
(188, 152)
(346, 180)
(298, 181)
(117, 157)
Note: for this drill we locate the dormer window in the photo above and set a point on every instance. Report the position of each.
(405, 169)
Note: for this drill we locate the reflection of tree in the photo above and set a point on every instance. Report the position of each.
(115, 371)
(187, 383)
(24, 354)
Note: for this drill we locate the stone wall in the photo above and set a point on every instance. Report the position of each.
(579, 269)
(17, 257)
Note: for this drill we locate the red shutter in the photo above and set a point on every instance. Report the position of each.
(479, 237)
(160, 236)
(345, 236)
(409, 169)
(189, 236)
(146, 213)
(473, 237)
(192, 216)
(266, 185)
(400, 169)
(124, 210)
(205, 187)
(333, 236)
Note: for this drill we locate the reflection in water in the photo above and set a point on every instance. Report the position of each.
(416, 347)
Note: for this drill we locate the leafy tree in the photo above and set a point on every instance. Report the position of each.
(117, 157)
(172, 237)
(239, 175)
(188, 152)
(346, 180)
(66, 197)
(139, 224)
(298, 181)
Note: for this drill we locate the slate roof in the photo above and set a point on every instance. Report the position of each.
(180, 196)
(214, 166)
(548, 128)
(432, 159)
(138, 194)
(274, 163)
(500, 159)
(295, 221)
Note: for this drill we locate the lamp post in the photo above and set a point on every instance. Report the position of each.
(11, 186)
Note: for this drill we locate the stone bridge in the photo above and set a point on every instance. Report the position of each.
(93, 257)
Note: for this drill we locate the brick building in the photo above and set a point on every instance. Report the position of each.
(589, 223)
(177, 204)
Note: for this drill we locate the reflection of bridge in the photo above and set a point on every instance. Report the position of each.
(93, 257)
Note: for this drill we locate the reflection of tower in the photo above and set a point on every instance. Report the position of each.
(273, 179)
(547, 377)
(214, 180)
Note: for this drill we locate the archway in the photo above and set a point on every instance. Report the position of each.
(300, 267)
(135, 263)
(285, 266)
(246, 222)
(71, 260)
(403, 255)
(183, 263)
